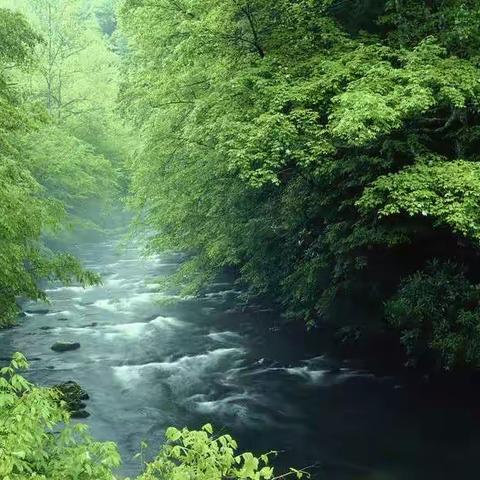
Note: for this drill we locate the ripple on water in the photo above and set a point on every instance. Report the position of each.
(244, 408)
(61, 313)
(106, 304)
(124, 305)
(124, 330)
(224, 337)
(140, 329)
(115, 281)
(327, 377)
(168, 322)
(306, 373)
(231, 406)
(183, 375)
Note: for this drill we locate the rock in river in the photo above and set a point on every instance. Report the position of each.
(80, 414)
(65, 346)
(73, 395)
(72, 390)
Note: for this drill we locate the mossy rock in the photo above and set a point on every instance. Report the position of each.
(72, 389)
(73, 395)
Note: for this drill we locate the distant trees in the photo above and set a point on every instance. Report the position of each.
(75, 77)
(64, 38)
(327, 149)
(26, 209)
(61, 143)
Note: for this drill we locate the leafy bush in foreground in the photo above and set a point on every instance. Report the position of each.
(37, 441)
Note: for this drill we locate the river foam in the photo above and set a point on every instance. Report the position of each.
(224, 337)
(74, 289)
(184, 374)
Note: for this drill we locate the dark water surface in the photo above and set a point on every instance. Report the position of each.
(150, 364)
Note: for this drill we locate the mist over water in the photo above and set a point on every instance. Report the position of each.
(148, 365)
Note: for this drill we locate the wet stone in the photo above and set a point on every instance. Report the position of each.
(73, 395)
(79, 414)
(65, 346)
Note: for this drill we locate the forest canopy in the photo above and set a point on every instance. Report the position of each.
(328, 150)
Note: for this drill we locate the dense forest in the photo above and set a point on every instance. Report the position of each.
(324, 151)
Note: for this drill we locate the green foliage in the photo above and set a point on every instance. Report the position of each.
(454, 22)
(198, 455)
(437, 312)
(75, 78)
(308, 146)
(70, 171)
(16, 37)
(27, 208)
(449, 193)
(30, 445)
(37, 441)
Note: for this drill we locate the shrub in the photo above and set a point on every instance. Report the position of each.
(437, 312)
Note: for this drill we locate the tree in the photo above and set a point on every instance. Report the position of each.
(312, 150)
(75, 77)
(26, 209)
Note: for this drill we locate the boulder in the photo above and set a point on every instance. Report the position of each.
(65, 346)
(79, 414)
(72, 389)
(76, 405)
(73, 395)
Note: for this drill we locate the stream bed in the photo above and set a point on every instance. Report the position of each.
(150, 360)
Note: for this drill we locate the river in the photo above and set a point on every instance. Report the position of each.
(150, 360)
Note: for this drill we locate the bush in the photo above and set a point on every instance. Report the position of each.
(437, 312)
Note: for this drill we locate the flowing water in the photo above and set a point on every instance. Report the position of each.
(150, 360)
